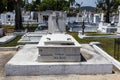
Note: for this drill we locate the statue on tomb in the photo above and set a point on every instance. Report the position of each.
(57, 22)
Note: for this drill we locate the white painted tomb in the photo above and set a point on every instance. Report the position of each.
(8, 18)
(25, 63)
(57, 53)
(90, 26)
(59, 48)
(7, 38)
(106, 27)
(118, 20)
(32, 37)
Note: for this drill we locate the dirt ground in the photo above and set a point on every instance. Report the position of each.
(5, 56)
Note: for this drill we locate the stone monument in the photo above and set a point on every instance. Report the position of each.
(58, 46)
(56, 23)
(118, 30)
(57, 53)
(101, 21)
(94, 18)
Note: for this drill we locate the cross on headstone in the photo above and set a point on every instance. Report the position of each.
(83, 27)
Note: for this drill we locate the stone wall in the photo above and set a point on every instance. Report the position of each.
(56, 54)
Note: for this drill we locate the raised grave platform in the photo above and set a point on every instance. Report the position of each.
(25, 63)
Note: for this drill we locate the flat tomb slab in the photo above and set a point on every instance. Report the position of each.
(6, 39)
(25, 63)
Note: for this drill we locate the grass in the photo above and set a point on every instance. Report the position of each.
(31, 28)
(10, 29)
(12, 43)
(96, 34)
(107, 43)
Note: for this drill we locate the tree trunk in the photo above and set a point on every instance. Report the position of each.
(18, 16)
(107, 17)
(108, 12)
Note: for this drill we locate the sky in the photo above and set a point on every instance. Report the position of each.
(85, 2)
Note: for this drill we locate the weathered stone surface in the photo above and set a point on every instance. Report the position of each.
(25, 63)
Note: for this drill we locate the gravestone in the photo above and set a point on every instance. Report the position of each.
(59, 48)
(102, 17)
(118, 20)
(94, 18)
(2, 32)
(56, 23)
(119, 16)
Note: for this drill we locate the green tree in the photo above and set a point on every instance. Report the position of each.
(53, 5)
(71, 2)
(38, 1)
(10, 5)
(33, 6)
(78, 7)
(2, 6)
(108, 6)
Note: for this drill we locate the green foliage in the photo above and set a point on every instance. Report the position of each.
(71, 2)
(31, 28)
(53, 5)
(108, 6)
(78, 7)
(2, 6)
(10, 5)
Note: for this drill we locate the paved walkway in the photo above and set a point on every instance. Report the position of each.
(5, 56)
